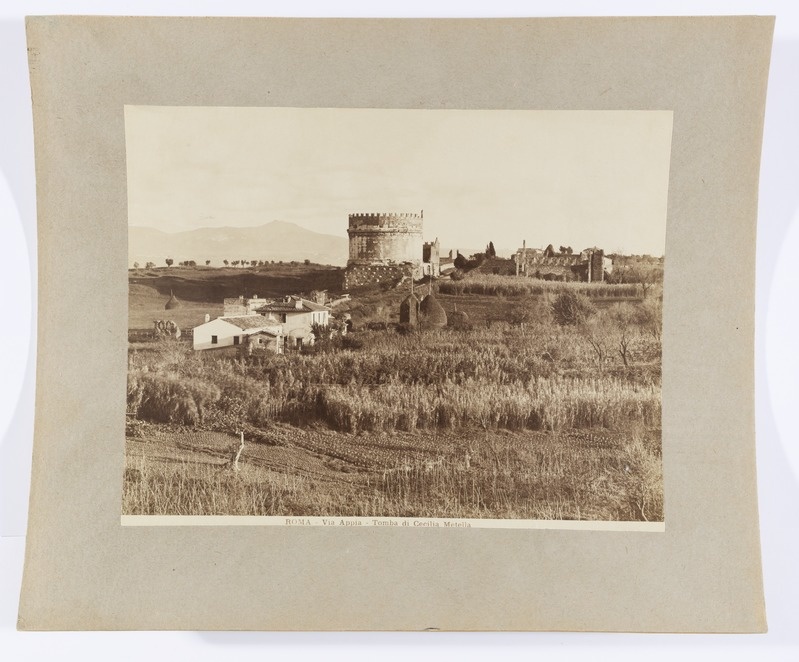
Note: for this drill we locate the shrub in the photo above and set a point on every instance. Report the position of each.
(168, 398)
(571, 308)
(350, 342)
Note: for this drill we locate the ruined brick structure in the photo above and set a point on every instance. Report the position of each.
(590, 265)
(596, 265)
(383, 247)
(431, 258)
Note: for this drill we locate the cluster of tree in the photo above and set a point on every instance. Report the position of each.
(245, 263)
(640, 273)
(613, 332)
(235, 263)
(463, 264)
(259, 263)
(549, 251)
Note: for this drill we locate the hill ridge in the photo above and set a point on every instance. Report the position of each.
(273, 241)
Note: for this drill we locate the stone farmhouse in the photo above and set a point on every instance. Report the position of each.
(262, 324)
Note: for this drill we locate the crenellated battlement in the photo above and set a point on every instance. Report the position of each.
(386, 219)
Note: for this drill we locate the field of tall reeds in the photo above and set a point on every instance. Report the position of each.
(539, 377)
(490, 284)
(397, 413)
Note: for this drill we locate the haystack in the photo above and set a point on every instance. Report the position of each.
(432, 313)
(409, 310)
(458, 319)
(172, 303)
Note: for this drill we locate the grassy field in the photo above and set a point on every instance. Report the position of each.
(515, 414)
(201, 290)
(475, 473)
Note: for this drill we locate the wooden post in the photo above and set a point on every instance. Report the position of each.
(238, 453)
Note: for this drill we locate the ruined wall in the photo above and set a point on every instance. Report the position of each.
(589, 265)
(431, 258)
(358, 275)
(597, 269)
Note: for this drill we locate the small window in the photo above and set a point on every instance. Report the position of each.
(236, 340)
(214, 340)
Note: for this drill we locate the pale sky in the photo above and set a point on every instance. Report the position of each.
(578, 178)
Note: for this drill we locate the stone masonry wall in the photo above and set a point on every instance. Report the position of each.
(358, 275)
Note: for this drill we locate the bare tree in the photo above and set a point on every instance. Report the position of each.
(646, 278)
(594, 331)
(623, 322)
(649, 317)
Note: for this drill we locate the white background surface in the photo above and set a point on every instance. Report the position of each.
(777, 364)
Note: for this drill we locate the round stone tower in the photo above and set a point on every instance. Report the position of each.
(383, 239)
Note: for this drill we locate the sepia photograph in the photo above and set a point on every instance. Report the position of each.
(348, 316)
(382, 314)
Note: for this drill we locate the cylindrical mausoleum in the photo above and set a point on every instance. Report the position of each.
(383, 239)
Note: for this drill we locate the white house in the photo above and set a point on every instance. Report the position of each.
(287, 321)
(296, 317)
(232, 331)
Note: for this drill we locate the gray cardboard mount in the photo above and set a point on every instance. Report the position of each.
(83, 570)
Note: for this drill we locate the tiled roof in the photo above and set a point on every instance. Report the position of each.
(248, 321)
(271, 331)
(291, 307)
(313, 305)
(282, 307)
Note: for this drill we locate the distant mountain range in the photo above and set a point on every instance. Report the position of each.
(277, 241)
